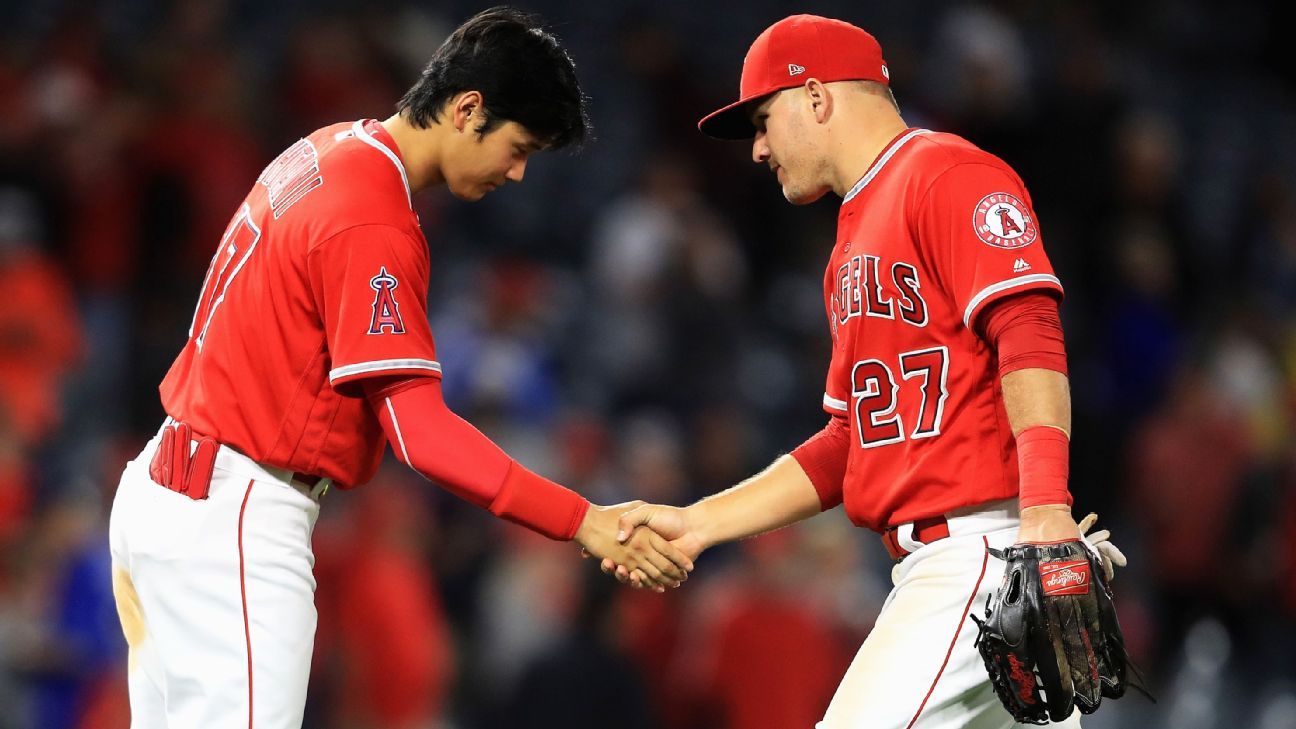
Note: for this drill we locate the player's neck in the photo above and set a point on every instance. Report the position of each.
(860, 146)
(420, 152)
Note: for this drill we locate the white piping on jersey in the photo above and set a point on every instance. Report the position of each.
(1011, 283)
(368, 139)
(383, 364)
(834, 403)
(877, 166)
(396, 426)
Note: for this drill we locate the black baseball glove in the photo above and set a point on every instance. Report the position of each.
(1050, 638)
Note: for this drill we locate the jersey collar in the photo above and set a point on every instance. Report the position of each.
(887, 153)
(379, 140)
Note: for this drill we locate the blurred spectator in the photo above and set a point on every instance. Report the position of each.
(331, 75)
(1183, 496)
(71, 656)
(668, 278)
(384, 626)
(1145, 337)
(40, 336)
(582, 681)
(765, 656)
(496, 337)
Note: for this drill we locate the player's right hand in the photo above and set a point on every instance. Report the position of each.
(1100, 542)
(659, 563)
(669, 522)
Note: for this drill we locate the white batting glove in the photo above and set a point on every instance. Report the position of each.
(1100, 543)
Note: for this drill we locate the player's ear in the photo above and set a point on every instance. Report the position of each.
(820, 99)
(466, 107)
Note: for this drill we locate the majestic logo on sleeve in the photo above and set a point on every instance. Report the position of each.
(386, 312)
(1003, 221)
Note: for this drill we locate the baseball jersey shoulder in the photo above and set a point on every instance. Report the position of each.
(935, 153)
(976, 224)
(361, 181)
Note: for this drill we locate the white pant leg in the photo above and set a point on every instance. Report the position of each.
(144, 677)
(215, 578)
(918, 668)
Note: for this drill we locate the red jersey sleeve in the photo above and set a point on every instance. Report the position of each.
(978, 225)
(823, 458)
(370, 282)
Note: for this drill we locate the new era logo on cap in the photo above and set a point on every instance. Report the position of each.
(795, 70)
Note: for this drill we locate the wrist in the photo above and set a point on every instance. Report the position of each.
(1045, 510)
(588, 524)
(699, 525)
(1047, 523)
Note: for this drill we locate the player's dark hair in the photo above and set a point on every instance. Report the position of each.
(522, 71)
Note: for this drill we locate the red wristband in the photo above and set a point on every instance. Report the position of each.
(535, 502)
(1043, 460)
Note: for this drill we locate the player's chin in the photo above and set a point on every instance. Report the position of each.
(471, 194)
(802, 196)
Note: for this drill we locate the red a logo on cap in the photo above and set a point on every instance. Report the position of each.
(795, 70)
(386, 313)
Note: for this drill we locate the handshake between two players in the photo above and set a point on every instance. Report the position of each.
(947, 399)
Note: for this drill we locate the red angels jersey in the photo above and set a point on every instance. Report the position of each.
(319, 281)
(934, 232)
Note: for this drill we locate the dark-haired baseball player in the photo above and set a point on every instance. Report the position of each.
(309, 352)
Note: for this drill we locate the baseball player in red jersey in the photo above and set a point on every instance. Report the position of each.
(309, 351)
(947, 391)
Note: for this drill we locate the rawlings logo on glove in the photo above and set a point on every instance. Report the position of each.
(1065, 578)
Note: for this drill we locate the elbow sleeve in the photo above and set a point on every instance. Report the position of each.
(823, 458)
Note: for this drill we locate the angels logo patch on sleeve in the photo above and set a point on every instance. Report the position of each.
(386, 312)
(1003, 221)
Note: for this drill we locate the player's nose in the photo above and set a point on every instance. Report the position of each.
(517, 171)
(760, 148)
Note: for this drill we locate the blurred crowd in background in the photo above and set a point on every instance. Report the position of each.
(644, 319)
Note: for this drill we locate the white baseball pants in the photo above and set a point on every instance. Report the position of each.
(216, 596)
(918, 668)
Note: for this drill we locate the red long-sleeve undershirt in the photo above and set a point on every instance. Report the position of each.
(448, 450)
(1025, 330)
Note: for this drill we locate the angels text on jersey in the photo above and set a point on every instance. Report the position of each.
(859, 292)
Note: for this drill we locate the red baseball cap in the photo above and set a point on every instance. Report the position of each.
(789, 52)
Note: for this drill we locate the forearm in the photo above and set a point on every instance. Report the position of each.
(448, 450)
(776, 497)
(1026, 332)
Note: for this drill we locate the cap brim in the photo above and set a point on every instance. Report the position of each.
(730, 122)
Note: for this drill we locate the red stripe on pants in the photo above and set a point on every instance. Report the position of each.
(247, 630)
